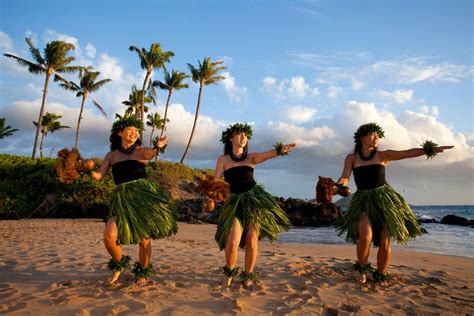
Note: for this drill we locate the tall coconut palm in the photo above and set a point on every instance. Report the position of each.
(206, 74)
(55, 60)
(155, 122)
(134, 102)
(86, 86)
(155, 58)
(5, 131)
(171, 83)
(49, 123)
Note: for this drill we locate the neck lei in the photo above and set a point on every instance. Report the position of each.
(129, 150)
(370, 156)
(238, 158)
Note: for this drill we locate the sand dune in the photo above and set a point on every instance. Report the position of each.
(58, 267)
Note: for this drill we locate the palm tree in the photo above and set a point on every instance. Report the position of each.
(155, 58)
(171, 82)
(205, 74)
(55, 60)
(49, 123)
(134, 102)
(87, 85)
(5, 130)
(155, 122)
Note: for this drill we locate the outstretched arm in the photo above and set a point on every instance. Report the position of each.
(261, 157)
(346, 172)
(389, 155)
(102, 171)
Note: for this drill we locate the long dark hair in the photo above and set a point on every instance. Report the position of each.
(358, 146)
(228, 148)
(116, 141)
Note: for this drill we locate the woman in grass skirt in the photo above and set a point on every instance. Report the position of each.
(250, 213)
(139, 209)
(377, 213)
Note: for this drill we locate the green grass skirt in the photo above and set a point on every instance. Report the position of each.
(255, 207)
(143, 211)
(387, 211)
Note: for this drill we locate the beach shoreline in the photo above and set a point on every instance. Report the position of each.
(58, 266)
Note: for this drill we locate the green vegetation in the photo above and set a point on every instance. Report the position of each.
(30, 188)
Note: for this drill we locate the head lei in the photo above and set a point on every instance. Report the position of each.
(127, 121)
(235, 129)
(367, 129)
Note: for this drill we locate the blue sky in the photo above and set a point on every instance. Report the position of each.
(304, 71)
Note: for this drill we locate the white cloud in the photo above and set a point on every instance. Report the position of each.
(300, 89)
(90, 50)
(300, 114)
(334, 91)
(295, 87)
(109, 67)
(417, 69)
(425, 109)
(6, 43)
(399, 96)
(235, 92)
(357, 84)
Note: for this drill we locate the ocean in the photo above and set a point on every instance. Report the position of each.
(440, 239)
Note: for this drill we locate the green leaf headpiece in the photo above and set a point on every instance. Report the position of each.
(235, 129)
(128, 121)
(367, 129)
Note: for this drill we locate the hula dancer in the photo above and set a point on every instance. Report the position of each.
(139, 209)
(250, 213)
(377, 213)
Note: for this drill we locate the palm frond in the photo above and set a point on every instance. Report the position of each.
(68, 69)
(99, 84)
(99, 107)
(35, 52)
(32, 67)
(5, 130)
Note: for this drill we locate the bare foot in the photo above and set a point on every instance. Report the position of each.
(141, 282)
(362, 278)
(114, 277)
(248, 285)
(227, 281)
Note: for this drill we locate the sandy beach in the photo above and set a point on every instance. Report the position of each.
(58, 267)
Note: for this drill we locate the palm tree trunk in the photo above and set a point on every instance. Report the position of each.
(40, 117)
(151, 135)
(194, 125)
(142, 105)
(42, 142)
(84, 96)
(166, 113)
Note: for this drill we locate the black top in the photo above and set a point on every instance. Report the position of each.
(240, 179)
(128, 170)
(369, 177)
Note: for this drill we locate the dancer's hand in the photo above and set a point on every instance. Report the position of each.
(440, 149)
(161, 142)
(288, 148)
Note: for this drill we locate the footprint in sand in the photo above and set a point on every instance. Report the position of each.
(7, 291)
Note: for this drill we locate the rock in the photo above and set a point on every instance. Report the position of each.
(456, 220)
(428, 220)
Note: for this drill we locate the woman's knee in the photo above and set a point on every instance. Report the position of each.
(251, 242)
(110, 237)
(365, 237)
(384, 244)
(144, 243)
(232, 245)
